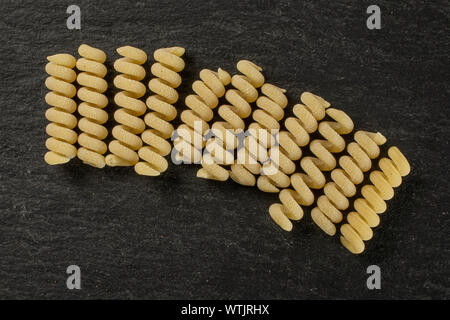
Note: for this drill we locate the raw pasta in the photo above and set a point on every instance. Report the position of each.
(91, 93)
(208, 90)
(260, 154)
(244, 92)
(60, 130)
(297, 135)
(351, 173)
(271, 110)
(313, 177)
(359, 222)
(127, 140)
(169, 63)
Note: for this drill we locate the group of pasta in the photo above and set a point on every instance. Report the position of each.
(296, 157)
(138, 141)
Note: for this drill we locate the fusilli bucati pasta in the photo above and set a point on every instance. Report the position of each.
(244, 92)
(93, 85)
(62, 136)
(313, 177)
(345, 178)
(271, 110)
(208, 90)
(126, 133)
(373, 201)
(305, 122)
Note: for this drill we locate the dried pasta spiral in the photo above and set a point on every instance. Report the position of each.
(359, 222)
(62, 136)
(313, 177)
(351, 173)
(169, 63)
(244, 92)
(271, 110)
(126, 134)
(297, 135)
(208, 90)
(91, 93)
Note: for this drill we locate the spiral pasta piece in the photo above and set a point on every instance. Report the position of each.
(345, 178)
(271, 106)
(244, 92)
(313, 167)
(281, 163)
(62, 136)
(208, 90)
(359, 222)
(91, 109)
(168, 64)
(126, 133)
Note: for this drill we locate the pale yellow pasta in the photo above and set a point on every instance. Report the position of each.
(244, 92)
(271, 110)
(207, 91)
(345, 178)
(127, 140)
(359, 222)
(297, 135)
(60, 130)
(93, 85)
(162, 111)
(313, 167)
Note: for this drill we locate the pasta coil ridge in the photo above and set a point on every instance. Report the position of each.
(126, 134)
(373, 200)
(271, 105)
(93, 85)
(313, 167)
(299, 127)
(225, 132)
(345, 178)
(166, 71)
(62, 122)
(208, 90)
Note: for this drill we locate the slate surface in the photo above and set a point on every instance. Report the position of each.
(177, 236)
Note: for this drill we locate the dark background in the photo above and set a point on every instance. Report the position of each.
(177, 236)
